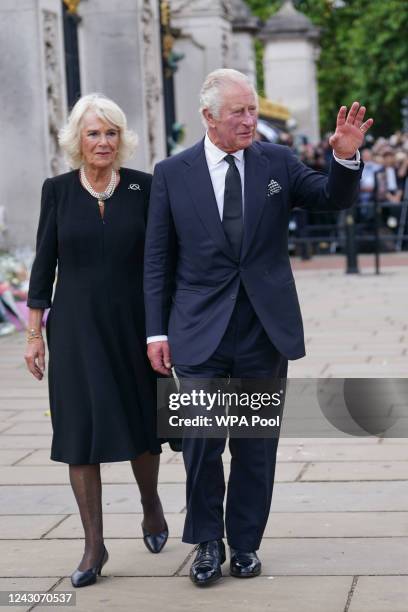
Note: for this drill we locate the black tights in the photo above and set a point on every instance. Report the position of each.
(86, 484)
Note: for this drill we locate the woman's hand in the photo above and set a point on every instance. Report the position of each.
(35, 357)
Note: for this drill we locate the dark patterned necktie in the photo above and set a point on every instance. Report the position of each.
(232, 213)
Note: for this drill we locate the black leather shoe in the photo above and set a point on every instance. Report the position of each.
(244, 564)
(155, 541)
(85, 578)
(206, 567)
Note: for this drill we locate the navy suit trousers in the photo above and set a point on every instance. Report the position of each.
(245, 351)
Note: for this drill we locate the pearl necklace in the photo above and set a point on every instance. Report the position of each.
(100, 196)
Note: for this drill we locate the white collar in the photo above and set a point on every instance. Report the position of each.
(215, 155)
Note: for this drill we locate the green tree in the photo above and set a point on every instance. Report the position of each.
(364, 55)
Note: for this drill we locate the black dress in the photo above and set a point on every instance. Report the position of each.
(102, 388)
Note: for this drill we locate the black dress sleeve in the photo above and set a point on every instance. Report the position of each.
(43, 270)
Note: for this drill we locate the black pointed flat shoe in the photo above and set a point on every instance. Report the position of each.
(87, 577)
(155, 541)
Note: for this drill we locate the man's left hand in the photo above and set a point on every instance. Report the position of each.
(350, 131)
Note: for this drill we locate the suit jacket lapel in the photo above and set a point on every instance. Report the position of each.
(202, 193)
(255, 190)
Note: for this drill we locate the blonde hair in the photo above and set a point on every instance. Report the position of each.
(211, 90)
(69, 136)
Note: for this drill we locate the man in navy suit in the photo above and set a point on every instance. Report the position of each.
(220, 296)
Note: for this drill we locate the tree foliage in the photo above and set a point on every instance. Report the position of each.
(364, 55)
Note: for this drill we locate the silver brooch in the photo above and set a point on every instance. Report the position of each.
(134, 186)
(273, 187)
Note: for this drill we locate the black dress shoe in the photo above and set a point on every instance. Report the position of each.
(244, 564)
(85, 578)
(206, 567)
(155, 541)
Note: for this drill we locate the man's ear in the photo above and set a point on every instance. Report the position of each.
(209, 117)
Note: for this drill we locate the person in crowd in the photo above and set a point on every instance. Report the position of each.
(389, 186)
(220, 296)
(101, 387)
(401, 161)
(367, 184)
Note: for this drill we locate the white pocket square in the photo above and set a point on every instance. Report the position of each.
(273, 187)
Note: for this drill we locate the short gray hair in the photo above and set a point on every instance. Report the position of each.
(69, 136)
(211, 90)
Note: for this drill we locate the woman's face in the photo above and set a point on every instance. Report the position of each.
(99, 141)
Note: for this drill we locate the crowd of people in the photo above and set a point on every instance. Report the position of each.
(383, 187)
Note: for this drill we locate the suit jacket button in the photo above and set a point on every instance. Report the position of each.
(233, 296)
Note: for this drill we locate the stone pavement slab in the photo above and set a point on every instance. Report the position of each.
(26, 584)
(23, 527)
(278, 594)
(380, 594)
(37, 415)
(337, 524)
(338, 496)
(354, 470)
(120, 526)
(172, 473)
(344, 439)
(33, 405)
(327, 451)
(342, 452)
(60, 558)
(40, 457)
(5, 414)
(30, 428)
(10, 456)
(280, 525)
(24, 392)
(332, 556)
(59, 499)
(27, 475)
(26, 442)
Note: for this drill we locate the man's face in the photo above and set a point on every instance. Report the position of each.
(235, 126)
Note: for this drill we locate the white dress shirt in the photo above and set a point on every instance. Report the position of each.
(218, 167)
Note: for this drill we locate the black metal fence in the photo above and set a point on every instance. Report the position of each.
(372, 226)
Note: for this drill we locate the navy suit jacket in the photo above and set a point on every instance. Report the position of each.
(191, 274)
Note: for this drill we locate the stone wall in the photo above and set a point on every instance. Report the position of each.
(205, 40)
(290, 79)
(33, 103)
(120, 57)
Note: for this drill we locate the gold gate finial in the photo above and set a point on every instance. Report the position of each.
(72, 6)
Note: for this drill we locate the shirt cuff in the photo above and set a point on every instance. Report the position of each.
(351, 164)
(156, 339)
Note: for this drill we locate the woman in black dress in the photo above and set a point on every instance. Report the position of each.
(102, 389)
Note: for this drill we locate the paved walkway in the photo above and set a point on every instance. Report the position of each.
(337, 538)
